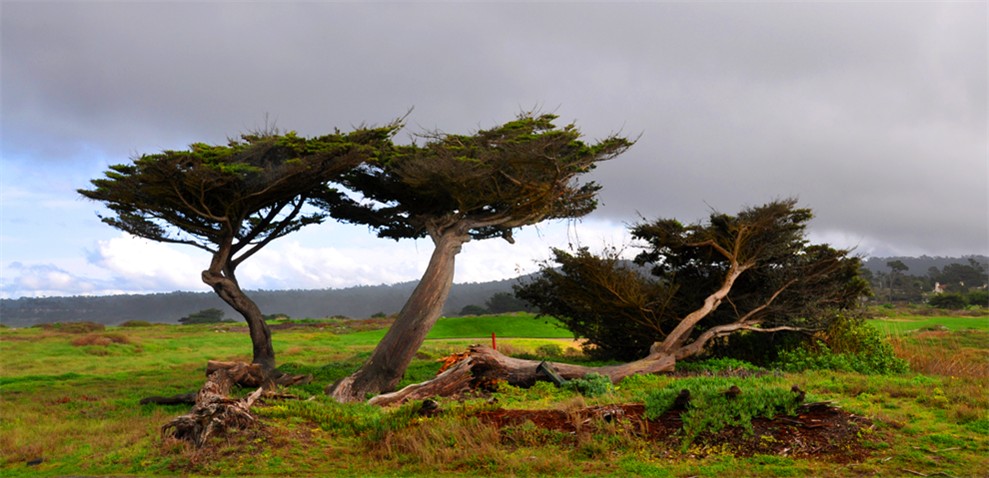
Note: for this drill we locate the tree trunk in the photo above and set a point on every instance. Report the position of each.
(390, 359)
(224, 283)
(484, 366)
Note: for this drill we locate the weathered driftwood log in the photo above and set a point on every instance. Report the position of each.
(213, 412)
(484, 365)
(254, 375)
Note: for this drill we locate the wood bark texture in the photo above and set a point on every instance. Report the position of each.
(214, 412)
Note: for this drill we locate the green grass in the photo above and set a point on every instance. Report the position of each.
(907, 323)
(76, 408)
(514, 325)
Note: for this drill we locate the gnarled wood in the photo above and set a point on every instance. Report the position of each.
(485, 365)
(214, 412)
(255, 375)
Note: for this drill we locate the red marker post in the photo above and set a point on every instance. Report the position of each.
(494, 344)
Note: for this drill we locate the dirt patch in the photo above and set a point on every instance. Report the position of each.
(818, 431)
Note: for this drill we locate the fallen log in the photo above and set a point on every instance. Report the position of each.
(482, 366)
(214, 412)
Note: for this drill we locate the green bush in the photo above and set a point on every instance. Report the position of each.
(136, 323)
(849, 345)
(716, 364)
(205, 316)
(549, 351)
(977, 298)
(710, 409)
(473, 310)
(592, 385)
(951, 301)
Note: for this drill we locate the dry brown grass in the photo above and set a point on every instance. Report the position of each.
(101, 340)
(948, 354)
(440, 443)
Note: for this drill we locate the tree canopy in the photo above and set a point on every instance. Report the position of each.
(690, 284)
(231, 200)
(485, 184)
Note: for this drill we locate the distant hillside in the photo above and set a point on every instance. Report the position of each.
(355, 302)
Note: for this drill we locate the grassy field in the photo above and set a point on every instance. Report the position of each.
(69, 406)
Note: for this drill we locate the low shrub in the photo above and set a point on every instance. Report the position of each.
(549, 351)
(136, 323)
(592, 385)
(849, 345)
(717, 365)
(714, 404)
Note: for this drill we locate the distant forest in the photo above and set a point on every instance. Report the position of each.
(365, 301)
(354, 302)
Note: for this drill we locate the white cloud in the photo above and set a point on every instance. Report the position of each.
(127, 264)
(140, 264)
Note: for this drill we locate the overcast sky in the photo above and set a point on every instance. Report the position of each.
(872, 114)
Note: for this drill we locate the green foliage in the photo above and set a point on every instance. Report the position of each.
(488, 183)
(473, 310)
(135, 323)
(977, 298)
(592, 385)
(205, 316)
(949, 301)
(549, 351)
(848, 345)
(710, 409)
(716, 365)
(503, 302)
(330, 415)
(775, 279)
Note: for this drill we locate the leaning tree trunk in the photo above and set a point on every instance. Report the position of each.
(220, 276)
(394, 353)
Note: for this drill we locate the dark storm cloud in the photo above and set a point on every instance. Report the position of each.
(874, 114)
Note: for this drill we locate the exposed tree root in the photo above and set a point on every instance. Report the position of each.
(214, 412)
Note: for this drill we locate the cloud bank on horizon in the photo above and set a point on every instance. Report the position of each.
(873, 114)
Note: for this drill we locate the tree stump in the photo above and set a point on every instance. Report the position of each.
(214, 412)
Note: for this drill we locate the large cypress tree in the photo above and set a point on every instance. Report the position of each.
(232, 200)
(454, 188)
